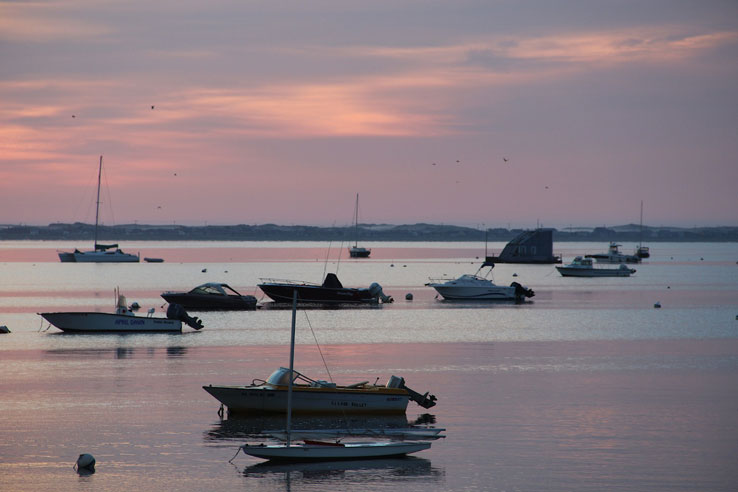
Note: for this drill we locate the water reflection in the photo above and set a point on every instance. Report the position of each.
(251, 427)
(127, 352)
(354, 472)
(272, 305)
(176, 352)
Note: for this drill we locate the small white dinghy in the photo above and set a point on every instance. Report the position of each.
(329, 451)
(312, 450)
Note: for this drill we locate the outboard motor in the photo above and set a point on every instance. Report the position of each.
(175, 311)
(521, 292)
(426, 401)
(376, 291)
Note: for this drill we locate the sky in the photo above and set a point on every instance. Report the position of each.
(478, 113)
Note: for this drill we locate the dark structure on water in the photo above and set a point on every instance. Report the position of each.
(528, 247)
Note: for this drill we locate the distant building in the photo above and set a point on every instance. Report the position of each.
(528, 247)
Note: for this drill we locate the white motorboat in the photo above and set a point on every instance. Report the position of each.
(470, 287)
(355, 251)
(124, 320)
(102, 253)
(310, 450)
(614, 255)
(584, 267)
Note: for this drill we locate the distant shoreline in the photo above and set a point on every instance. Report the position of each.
(366, 233)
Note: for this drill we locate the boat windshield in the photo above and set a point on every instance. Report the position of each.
(210, 289)
(280, 377)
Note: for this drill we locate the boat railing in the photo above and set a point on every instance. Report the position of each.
(284, 281)
(443, 280)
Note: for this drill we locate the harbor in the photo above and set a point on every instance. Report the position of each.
(585, 386)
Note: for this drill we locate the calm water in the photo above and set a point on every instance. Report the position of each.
(588, 387)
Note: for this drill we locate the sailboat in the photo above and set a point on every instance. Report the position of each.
(102, 253)
(355, 251)
(642, 251)
(312, 450)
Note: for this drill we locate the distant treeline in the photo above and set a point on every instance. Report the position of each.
(366, 232)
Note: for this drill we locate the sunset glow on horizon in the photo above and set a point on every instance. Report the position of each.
(499, 113)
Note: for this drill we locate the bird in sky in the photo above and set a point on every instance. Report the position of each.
(504, 159)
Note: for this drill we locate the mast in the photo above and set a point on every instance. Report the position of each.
(356, 222)
(640, 238)
(97, 204)
(292, 362)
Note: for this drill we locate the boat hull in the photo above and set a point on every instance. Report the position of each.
(116, 256)
(72, 322)
(261, 400)
(594, 272)
(317, 294)
(615, 259)
(210, 302)
(355, 252)
(330, 452)
(456, 293)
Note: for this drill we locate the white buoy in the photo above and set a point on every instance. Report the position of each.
(85, 463)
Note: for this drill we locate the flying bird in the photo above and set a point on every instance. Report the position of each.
(504, 159)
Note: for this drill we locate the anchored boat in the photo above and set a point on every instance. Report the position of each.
(102, 253)
(124, 320)
(311, 396)
(312, 450)
(331, 291)
(584, 267)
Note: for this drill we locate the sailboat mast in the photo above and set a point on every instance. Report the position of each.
(640, 238)
(97, 203)
(292, 363)
(356, 222)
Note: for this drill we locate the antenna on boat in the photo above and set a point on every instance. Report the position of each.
(327, 255)
(486, 231)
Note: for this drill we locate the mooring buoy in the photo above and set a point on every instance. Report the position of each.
(85, 463)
